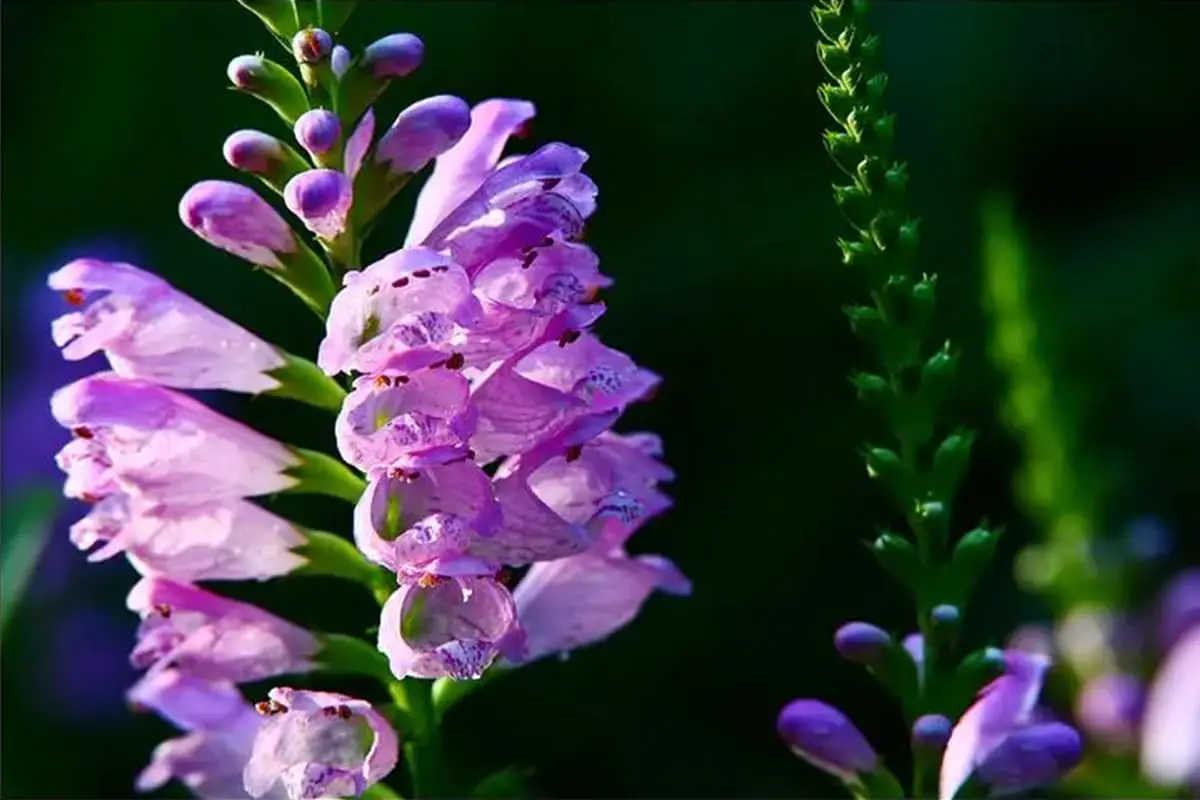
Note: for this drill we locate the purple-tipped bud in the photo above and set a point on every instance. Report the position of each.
(235, 219)
(321, 198)
(424, 131)
(339, 62)
(931, 732)
(393, 56)
(247, 72)
(861, 642)
(252, 151)
(318, 131)
(1032, 756)
(311, 45)
(1110, 708)
(823, 736)
(945, 614)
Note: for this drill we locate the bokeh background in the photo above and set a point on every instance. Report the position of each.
(716, 220)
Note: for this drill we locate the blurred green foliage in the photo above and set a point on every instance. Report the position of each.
(715, 219)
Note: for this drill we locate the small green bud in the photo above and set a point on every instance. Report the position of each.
(871, 174)
(900, 559)
(950, 462)
(832, 19)
(273, 84)
(884, 129)
(868, 325)
(843, 149)
(884, 465)
(971, 557)
(876, 87)
(921, 301)
(909, 238)
(837, 101)
(833, 58)
(862, 254)
(976, 671)
(855, 204)
(278, 15)
(935, 517)
(872, 389)
(896, 183)
(937, 373)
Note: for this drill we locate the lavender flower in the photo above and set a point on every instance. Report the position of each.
(319, 744)
(214, 638)
(150, 331)
(824, 737)
(340, 60)
(318, 131)
(220, 726)
(1109, 707)
(217, 540)
(422, 132)
(311, 45)
(321, 198)
(931, 732)
(393, 56)
(1031, 756)
(140, 438)
(1170, 741)
(1004, 708)
(861, 642)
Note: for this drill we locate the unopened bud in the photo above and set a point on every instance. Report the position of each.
(340, 60)
(945, 615)
(271, 83)
(899, 557)
(1032, 756)
(311, 45)
(950, 462)
(931, 732)
(318, 131)
(422, 132)
(861, 642)
(393, 56)
(264, 156)
(238, 221)
(235, 219)
(823, 736)
(321, 198)
(971, 557)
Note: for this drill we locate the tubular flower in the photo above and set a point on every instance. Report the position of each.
(151, 331)
(138, 437)
(212, 637)
(318, 744)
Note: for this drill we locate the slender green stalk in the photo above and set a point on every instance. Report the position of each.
(923, 465)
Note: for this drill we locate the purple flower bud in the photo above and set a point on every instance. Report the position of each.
(235, 219)
(823, 736)
(1179, 608)
(1032, 756)
(311, 45)
(252, 151)
(945, 614)
(1110, 708)
(246, 72)
(861, 642)
(931, 731)
(394, 56)
(318, 131)
(424, 131)
(339, 62)
(321, 199)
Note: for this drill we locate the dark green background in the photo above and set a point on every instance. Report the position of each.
(716, 221)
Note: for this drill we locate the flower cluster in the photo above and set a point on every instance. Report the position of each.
(480, 414)
(1004, 740)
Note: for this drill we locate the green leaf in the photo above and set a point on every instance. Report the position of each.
(348, 655)
(505, 784)
(26, 521)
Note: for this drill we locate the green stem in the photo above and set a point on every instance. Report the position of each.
(422, 751)
(318, 473)
(300, 379)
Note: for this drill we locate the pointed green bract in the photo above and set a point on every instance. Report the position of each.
(317, 473)
(300, 379)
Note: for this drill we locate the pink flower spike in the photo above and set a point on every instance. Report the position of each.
(158, 444)
(321, 198)
(214, 638)
(149, 330)
(448, 627)
(1171, 726)
(319, 744)
(238, 221)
